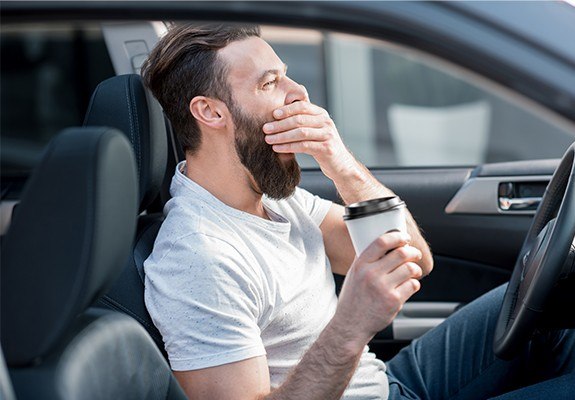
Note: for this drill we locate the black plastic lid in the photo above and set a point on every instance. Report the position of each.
(365, 208)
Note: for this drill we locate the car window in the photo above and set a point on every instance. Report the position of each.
(398, 107)
(393, 106)
(48, 73)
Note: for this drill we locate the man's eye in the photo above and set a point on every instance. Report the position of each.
(269, 84)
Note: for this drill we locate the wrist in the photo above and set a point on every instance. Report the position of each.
(346, 170)
(354, 183)
(348, 339)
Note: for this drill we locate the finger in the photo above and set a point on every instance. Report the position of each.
(395, 258)
(307, 146)
(404, 254)
(383, 244)
(408, 288)
(297, 135)
(306, 95)
(409, 270)
(298, 107)
(295, 121)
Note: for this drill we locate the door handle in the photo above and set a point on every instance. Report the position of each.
(519, 204)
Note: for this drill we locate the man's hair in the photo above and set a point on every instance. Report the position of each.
(185, 64)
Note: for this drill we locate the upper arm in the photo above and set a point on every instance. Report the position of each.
(206, 304)
(247, 379)
(337, 241)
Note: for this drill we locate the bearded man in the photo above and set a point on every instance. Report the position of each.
(240, 281)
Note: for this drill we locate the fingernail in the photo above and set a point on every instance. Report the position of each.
(268, 127)
(278, 113)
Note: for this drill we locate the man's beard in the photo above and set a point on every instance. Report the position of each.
(274, 178)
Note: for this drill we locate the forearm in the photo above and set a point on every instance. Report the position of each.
(356, 183)
(327, 367)
(324, 371)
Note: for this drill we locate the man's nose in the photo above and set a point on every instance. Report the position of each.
(296, 92)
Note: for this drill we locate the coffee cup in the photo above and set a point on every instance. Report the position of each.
(367, 220)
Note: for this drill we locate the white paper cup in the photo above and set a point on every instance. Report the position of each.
(368, 220)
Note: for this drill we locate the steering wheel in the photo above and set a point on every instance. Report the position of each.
(543, 260)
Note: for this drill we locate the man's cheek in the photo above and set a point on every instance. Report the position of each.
(286, 157)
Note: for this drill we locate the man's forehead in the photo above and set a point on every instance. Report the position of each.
(250, 58)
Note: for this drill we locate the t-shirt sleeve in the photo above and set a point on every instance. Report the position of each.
(205, 301)
(315, 206)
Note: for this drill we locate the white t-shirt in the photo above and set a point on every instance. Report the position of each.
(223, 285)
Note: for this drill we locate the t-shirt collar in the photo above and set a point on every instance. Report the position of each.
(182, 185)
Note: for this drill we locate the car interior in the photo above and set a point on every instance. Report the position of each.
(76, 233)
(143, 117)
(57, 346)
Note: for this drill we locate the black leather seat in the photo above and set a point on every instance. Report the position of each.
(69, 237)
(122, 102)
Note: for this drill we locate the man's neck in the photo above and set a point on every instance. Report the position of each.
(226, 179)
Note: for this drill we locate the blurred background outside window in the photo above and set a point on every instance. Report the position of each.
(392, 106)
(47, 75)
(397, 107)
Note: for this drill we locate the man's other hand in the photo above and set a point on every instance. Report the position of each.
(377, 285)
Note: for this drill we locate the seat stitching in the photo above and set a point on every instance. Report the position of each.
(133, 134)
(137, 131)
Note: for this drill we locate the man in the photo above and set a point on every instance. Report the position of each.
(240, 280)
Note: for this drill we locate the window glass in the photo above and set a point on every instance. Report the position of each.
(302, 50)
(398, 107)
(392, 106)
(48, 73)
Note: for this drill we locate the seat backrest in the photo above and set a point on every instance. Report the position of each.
(69, 237)
(122, 102)
(60, 238)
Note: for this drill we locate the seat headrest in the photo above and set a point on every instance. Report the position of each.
(69, 239)
(123, 103)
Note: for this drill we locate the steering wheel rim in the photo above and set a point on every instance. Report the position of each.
(537, 270)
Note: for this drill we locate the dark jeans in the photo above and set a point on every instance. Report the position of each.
(456, 361)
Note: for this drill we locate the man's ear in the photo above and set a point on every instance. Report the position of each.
(209, 112)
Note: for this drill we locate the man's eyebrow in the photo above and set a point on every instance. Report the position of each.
(272, 72)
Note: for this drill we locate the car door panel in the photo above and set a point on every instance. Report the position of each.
(473, 252)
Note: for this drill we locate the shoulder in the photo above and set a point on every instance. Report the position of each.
(190, 225)
(193, 247)
(301, 196)
(180, 248)
(307, 203)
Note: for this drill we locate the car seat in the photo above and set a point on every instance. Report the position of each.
(122, 102)
(69, 237)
